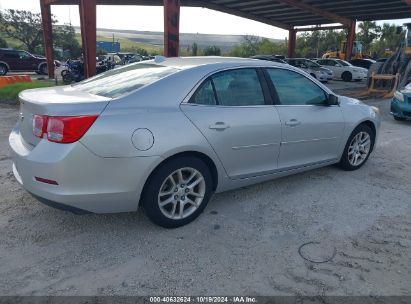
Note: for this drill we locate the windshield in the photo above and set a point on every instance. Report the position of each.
(343, 63)
(121, 81)
(311, 64)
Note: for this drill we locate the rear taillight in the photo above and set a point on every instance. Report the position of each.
(39, 125)
(62, 129)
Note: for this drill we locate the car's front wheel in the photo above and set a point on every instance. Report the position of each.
(177, 192)
(358, 148)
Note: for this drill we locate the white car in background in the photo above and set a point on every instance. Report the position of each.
(343, 69)
(312, 68)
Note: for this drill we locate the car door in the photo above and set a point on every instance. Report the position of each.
(26, 62)
(312, 130)
(330, 64)
(233, 110)
(12, 59)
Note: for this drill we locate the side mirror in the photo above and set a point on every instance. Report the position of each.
(332, 100)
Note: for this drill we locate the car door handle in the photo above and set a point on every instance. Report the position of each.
(292, 123)
(219, 126)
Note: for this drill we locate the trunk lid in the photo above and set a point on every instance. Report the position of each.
(56, 101)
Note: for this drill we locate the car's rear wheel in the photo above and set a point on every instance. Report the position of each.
(43, 69)
(358, 148)
(346, 76)
(3, 69)
(177, 192)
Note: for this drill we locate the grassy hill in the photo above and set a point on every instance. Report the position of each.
(128, 45)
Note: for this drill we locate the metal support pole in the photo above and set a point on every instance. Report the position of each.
(292, 39)
(350, 40)
(171, 28)
(88, 35)
(47, 36)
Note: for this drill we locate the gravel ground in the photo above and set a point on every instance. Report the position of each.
(246, 242)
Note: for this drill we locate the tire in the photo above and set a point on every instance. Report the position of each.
(346, 76)
(67, 78)
(43, 69)
(357, 80)
(3, 69)
(347, 161)
(399, 118)
(179, 204)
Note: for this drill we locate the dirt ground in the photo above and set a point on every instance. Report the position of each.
(246, 242)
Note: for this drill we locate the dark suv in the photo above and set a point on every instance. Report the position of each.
(18, 60)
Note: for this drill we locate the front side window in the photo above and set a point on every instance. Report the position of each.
(311, 64)
(326, 62)
(120, 81)
(239, 87)
(295, 89)
(343, 63)
(24, 55)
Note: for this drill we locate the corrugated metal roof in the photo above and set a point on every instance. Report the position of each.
(290, 13)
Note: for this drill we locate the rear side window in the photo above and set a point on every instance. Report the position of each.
(240, 87)
(11, 55)
(295, 89)
(121, 81)
(205, 94)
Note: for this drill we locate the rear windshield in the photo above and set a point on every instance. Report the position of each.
(120, 81)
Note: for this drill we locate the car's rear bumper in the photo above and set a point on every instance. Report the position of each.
(85, 180)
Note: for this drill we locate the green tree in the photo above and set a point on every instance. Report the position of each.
(65, 37)
(194, 49)
(268, 47)
(3, 43)
(212, 51)
(368, 32)
(23, 26)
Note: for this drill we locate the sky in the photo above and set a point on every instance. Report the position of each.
(146, 18)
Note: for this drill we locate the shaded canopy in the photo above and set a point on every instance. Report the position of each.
(287, 14)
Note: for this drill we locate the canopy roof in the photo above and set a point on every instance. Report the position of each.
(287, 14)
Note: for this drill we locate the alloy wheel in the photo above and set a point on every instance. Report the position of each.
(3, 70)
(359, 148)
(181, 193)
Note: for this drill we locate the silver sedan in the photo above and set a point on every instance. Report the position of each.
(168, 133)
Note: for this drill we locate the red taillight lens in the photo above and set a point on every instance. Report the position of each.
(68, 129)
(62, 129)
(39, 125)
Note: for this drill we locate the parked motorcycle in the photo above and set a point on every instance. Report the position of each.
(75, 70)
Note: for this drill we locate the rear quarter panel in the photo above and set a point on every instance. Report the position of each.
(156, 108)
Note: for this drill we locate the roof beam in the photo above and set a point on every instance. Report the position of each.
(319, 28)
(225, 9)
(317, 11)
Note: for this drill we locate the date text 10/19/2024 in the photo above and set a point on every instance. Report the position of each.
(240, 299)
